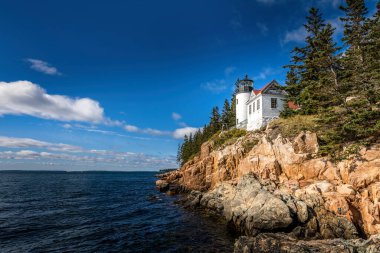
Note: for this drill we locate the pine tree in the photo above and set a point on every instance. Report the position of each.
(354, 28)
(185, 151)
(198, 140)
(293, 89)
(358, 119)
(215, 120)
(313, 79)
(226, 115)
(232, 116)
(372, 56)
(179, 154)
(353, 60)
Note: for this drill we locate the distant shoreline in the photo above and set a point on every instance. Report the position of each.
(85, 171)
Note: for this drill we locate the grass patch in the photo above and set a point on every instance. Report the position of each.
(224, 138)
(249, 144)
(292, 126)
(332, 132)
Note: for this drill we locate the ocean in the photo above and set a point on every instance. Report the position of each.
(100, 212)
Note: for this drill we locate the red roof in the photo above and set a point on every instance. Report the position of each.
(257, 92)
(292, 105)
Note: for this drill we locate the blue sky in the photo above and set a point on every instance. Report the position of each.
(113, 85)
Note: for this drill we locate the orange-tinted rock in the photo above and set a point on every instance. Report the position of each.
(294, 167)
(306, 143)
(370, 209)
(338, 204)
(345, 189)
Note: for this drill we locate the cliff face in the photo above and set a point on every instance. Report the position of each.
(286, 175)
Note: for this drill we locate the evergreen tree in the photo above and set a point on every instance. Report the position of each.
(372, 56)
(357, 119)
(313, 81)
(215, 120)
(179, 154)
(353, 60)
(198, 140)
(354, 28)
(226, 115)
(232, 116)
(185, 150)
(293, 89)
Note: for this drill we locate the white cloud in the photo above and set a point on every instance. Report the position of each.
(43, 67)
(150, 131)
(94, 129)
(182, 124)
(219, 85)
(11, 142)
(181, 132)
(126, 160)
(298, 35)
(334, 3)
(229, 70)
(263, 28)
(265, 73)
(338, 25)
(266, 1)
(216, 86)
(131, 128)
(67, 126)
(69, 153)
(177, 134)
(26, 98)
(176, 116)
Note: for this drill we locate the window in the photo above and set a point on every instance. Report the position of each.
(250, 109)
(273, 103)
(253, 105)
(258, 104)
(237, 101)
(237, 121)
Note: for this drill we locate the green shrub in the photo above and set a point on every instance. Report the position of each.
(224, 138)
(249, 144)
(292, 126)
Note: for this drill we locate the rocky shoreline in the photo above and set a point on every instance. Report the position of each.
(281, 197)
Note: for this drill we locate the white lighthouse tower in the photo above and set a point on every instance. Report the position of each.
(244, 89)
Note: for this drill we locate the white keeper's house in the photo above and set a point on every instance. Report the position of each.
(255, 108)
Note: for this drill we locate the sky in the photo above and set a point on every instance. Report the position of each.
(115, 85)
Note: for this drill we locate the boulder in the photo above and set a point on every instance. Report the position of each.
(283, 243)
(346, 190)
(162, 185)
(338, 204)
(370, 209)
(248, 206)
(289, 173)
(268, 212)
(306, 142)
(302, 212)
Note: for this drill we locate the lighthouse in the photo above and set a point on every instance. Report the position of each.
(244, 89)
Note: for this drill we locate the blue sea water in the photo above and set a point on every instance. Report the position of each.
(100, 212)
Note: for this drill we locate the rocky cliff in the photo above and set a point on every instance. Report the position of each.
(266, 183)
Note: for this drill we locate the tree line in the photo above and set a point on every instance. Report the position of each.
(225, 120)
(340, 84)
